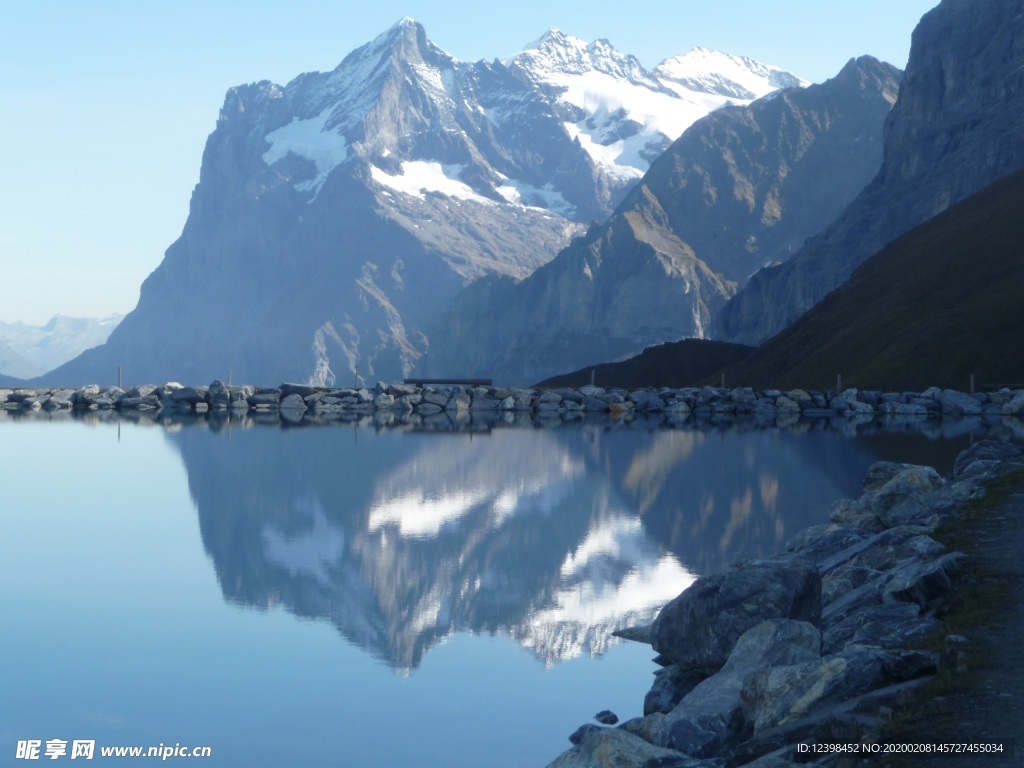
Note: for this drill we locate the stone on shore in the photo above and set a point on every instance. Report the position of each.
(699, 628)
(617, 748)
(711, 714)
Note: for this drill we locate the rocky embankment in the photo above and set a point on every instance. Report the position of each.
(809, 647)
(408, 403)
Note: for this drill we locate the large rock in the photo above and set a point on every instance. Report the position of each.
(781, 695)
(699, 628)
(711, 714)
(923, 582)
(907, 498)
(960, 403)
(671, 684)
(985, 456)
(617, 748)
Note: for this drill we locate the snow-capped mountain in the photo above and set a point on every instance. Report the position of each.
(338, 215)
(40, 348)
(743, 187)
(625, 116)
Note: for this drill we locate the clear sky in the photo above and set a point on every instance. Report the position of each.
(106, 105)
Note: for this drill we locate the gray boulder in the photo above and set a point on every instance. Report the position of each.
(712, 713)
(922, 582)
(960, 403)
(781, 695)
(984, 456)
(699, 628)
(615, 748)
(907, 498)
(893, 625)
(293, 403)
(671, 684)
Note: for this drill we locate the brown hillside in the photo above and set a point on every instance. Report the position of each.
(675, 364)
(935, 306)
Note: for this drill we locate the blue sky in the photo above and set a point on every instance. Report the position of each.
(107, 105)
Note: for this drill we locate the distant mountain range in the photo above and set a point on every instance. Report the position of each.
(31, 350)
(337, 217)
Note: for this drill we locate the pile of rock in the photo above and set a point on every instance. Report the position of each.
(808, 646)
(707, 402)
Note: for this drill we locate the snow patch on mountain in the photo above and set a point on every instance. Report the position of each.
(546, 197)
(621, 114)
(418, 177)
(722, 74)
(312, 140)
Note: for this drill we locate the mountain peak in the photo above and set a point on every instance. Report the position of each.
(715, 72)
(405, 33)
(555, 54)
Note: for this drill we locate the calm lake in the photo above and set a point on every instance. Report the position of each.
(346, 596)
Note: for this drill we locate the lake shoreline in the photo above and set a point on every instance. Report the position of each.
(411, 404)
(801, 657)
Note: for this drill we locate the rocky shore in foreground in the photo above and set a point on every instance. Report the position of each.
(409, 403)
(798, 658)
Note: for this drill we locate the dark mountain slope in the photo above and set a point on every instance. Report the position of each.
(673, 364)
(955, 129)
(939, 304)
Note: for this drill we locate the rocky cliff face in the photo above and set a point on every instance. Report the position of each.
(742, 188)
(955, 129)
(337, 216)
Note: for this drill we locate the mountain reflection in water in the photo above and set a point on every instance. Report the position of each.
(554, 537)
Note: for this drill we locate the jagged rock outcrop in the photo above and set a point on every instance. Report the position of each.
(741, 188)
(955, 129)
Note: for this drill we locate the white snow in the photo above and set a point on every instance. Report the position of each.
(309, 139)
(612, 91)
(716, 70)
(420, 516)
(418, 177)
(648, 586)
(546, 197)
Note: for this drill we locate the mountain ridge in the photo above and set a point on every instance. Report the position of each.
(741, 187)
(337, 215)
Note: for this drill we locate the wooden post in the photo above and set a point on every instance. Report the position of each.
(593, 372)
(972, 383)
(723, 379)
(119, 377)
(229, 377)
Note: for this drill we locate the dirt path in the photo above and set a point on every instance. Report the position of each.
(992, 705)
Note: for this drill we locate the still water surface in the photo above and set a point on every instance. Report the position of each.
(338, 596)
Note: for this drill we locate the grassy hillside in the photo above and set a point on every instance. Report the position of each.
(675, 364)
(939, 304)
